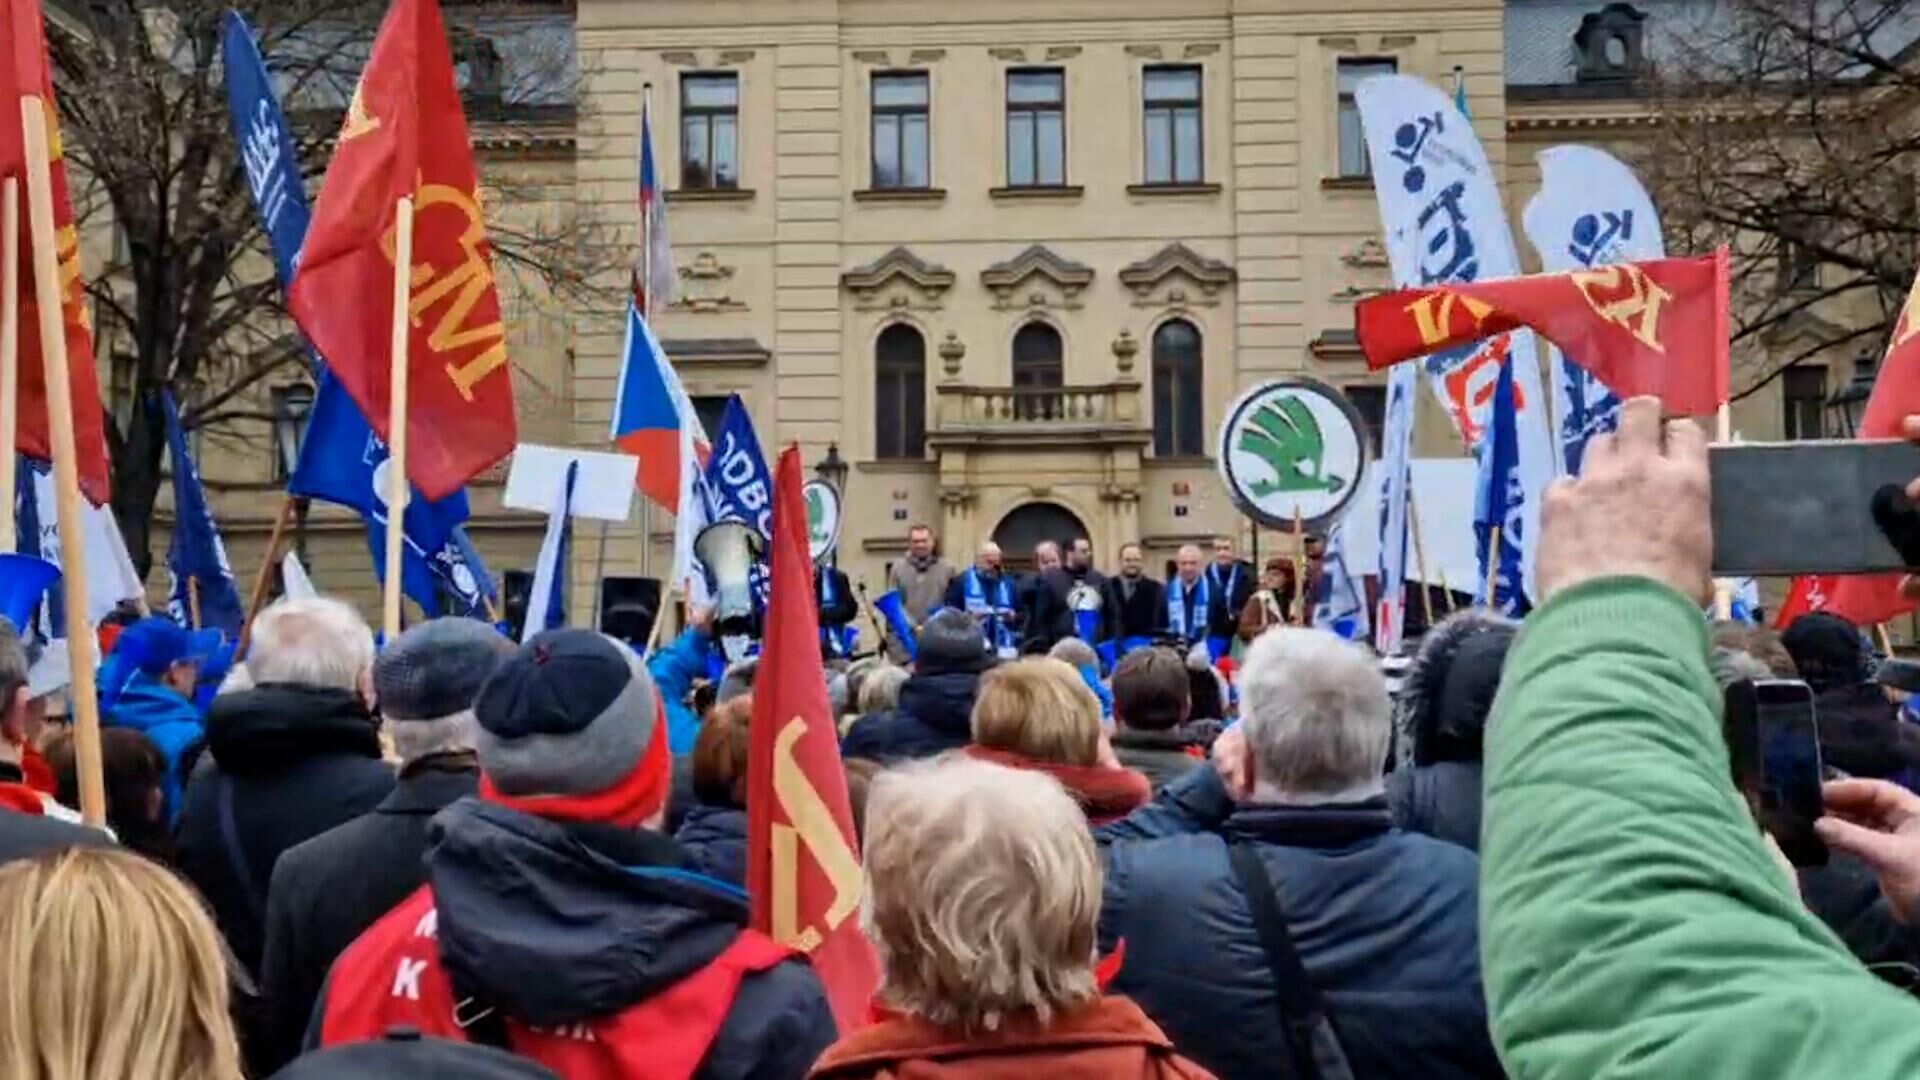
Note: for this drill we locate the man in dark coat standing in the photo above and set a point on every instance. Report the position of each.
(286, 760)
(837, 608)
(1053, 599)
(1133, 605)
(1230, 584)
(329, 889)
(936, 704)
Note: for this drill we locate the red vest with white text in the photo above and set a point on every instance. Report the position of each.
(391, 976)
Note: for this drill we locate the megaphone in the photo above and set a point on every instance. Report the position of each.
(24, 579)
(729, 549)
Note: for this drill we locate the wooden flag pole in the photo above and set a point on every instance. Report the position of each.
(9, 357)
(659, 620)
(1305, 617)
(397, 487)
(193, 601)
(1420, 559)
(82, 655)
(260, 580)
(1722, 588)
(1493, 563)
(1446, 591)
(1885, 640)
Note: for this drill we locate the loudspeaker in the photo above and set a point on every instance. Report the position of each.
(516, 589)
(729, 549)
(628, 607)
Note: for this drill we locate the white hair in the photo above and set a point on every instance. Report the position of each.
(1316, 716)
(989, 548)
(313, 642)
(416, 739)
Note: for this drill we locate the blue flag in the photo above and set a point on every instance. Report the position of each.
(340, 458)
(1498, 501)
(547, 599)
(196, 553)
(739, 485)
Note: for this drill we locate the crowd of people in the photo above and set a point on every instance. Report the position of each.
(1525, 854)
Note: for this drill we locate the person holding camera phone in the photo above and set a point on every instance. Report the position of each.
(1633, 921)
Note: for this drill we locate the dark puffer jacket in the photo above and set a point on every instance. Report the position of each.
(1384, 921)
(1860, 730)
(284, 764)
(1440, 722)
(935, 715)
(714, 839)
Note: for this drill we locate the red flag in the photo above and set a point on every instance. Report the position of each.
(25, 73)
(1810, 593)
(405, 135)
(1657, 327)
(803, 863)
(1866, 599)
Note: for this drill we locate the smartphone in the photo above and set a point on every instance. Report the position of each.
(1805, 507)
(1774, 736)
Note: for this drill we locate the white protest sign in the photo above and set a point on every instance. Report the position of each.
(603, 489)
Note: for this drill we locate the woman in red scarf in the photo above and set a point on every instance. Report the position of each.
(1037, 714)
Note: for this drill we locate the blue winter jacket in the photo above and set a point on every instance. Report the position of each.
(158, 711)
(715, 841)
(1384, 921)
(673, 669)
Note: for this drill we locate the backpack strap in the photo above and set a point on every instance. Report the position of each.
(1311, 1039)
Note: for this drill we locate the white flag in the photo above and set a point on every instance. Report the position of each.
(294, 582)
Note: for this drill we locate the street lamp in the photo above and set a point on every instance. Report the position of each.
(833, 469)
(1849, 403)
(292, 404)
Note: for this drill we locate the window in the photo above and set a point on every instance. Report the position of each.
(710, 131)
(1172, 107)
(900, 393)
(1610, 44)
(1036, 128)
(900, 123)
(1803, 398)
(1371, 403)
(1799, 267)
(1037, 357)
(1354, 163)
(1179, 393)
(712, 411)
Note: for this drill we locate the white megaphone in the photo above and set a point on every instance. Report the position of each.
(729, 549)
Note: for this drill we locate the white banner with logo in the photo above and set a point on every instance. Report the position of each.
(1441, 212)
(1591, 211)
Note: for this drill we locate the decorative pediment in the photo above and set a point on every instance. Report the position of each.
(898, 279)
(1371, 254)
(1060, 281)
(1177, 275)
(706, 286)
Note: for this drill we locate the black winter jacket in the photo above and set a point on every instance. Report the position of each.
(714, 839)
(1384, 921)
(289, 762)
(328, 890)
(1441, 800)
(555, 923)
(935, 715)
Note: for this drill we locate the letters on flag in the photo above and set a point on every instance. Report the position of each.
(25, 74)
(1656, 327)
(406, 136)
(803, 862)
(1591, 211)
(266, 146)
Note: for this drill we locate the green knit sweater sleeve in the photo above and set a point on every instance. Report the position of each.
(1632, 925)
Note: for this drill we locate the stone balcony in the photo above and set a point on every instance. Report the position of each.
(1101, 414)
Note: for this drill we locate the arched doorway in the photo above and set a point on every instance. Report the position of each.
(1026, 526)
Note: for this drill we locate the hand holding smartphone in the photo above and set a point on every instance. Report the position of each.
(1774, 736)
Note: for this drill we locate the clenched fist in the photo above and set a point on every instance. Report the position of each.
(1640, 508)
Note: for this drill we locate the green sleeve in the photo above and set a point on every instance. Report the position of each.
(1631, 922)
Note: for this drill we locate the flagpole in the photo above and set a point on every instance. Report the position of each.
(81, 651)
(1722, 588)
(9, 356)
(1299, 570)
(1420, 558)
(260, 580)
(397, 487)
(643, 296)
(193, 601)
(1493, 563)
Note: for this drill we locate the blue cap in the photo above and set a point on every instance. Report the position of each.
(154, 644)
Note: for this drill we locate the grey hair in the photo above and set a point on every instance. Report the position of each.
(880, 691)
(1315, 712)
(317, 641)
(13, 664)
(1074, 651)
(416, 739)
(1730, 666)
(983, 893)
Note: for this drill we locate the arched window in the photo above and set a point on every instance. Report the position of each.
(900, 393)
(1179, 408)
(1038, 371)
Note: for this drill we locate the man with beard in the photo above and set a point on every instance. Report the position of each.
(1054, 598)
(1230, 584)
(1133, 604)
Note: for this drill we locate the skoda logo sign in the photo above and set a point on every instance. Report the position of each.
(823, 518)
(1293, 449)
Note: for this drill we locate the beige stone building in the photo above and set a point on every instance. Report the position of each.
(1012, 264)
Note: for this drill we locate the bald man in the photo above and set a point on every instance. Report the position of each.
(1189, 597)
(985, 592)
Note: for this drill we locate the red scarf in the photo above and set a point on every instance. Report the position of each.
(628, 802)
(22, 799)
(1106, 794)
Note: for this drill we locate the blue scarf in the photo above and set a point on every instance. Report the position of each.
(1177, 607)
(830, 636)
(1232, 582)
(977, 604)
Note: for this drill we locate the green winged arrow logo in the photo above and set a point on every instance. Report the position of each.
(817, 516)
(1285, 435)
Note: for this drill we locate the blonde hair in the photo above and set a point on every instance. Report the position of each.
(983, 893)
(115, 970)
(880, 690)
(1038, 708)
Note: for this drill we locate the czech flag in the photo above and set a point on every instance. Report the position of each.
(653, 419)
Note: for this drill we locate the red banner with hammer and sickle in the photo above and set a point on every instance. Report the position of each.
(406, 135)
(803, 862)
(26, 76)
(1656, 327)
